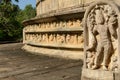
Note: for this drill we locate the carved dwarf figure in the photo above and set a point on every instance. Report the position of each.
(39, 38)
(64, 23)
(60, 38)
(80, 39)
(52, 38)
(78, 23)
(90, 59)
(70, 23)
(68, 38)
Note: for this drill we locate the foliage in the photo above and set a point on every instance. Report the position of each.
(11, 20)
(8, 22)
(27, 13)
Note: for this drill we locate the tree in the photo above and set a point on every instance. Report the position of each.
(6, 1)
(27, 13)
(11, 19)
(8, 23)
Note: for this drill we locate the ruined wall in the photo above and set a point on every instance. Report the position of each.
(57, 28)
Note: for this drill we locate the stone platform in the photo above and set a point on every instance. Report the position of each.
(16, 64)
(88, 74)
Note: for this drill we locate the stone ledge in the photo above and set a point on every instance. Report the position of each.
(76, 29)
(59, 14)
(66, 54)
(60, 46)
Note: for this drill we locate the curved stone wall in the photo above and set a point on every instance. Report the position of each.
(56, 38)
(67, 34)
(57, 28)
(45, 6)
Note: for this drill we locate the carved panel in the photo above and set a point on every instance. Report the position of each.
(101, 37)
(57, 34)
(55, 26)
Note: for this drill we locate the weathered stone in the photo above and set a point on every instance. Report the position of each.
(63, 35)
(101, 33)
(97, 75)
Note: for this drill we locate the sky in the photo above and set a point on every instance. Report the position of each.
(23, 3)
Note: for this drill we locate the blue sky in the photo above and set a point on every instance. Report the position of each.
(23, 3)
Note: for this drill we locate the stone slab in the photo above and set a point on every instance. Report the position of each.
(88, 74)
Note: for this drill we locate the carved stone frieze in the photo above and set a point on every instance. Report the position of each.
(55, 33)
(50, 38)
(54, 25)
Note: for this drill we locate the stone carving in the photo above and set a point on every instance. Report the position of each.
(75, 39)
(52, 38)
(45, 38)
(71, 39)
(53, 25)
(39, 38)
(49, 38)
(38, 33)
(60, 38)
(61, 24)
(101, 41)
(80, 39)
(70, 23)
(64, 23)
(102, 25)
(78, 23)
(68, 38)
(39, 26)
(90, 59)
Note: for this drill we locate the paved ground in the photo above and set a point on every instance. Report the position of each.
(15, 64)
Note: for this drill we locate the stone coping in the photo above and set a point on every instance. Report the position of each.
(60, 14)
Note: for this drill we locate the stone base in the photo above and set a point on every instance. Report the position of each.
(61, 53)
(88, 74)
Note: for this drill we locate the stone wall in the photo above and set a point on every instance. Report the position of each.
(57, 28)
(56, 34)
(45, 6)
(64, 35)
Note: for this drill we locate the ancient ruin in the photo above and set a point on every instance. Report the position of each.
(56, 30)
(101, 34)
